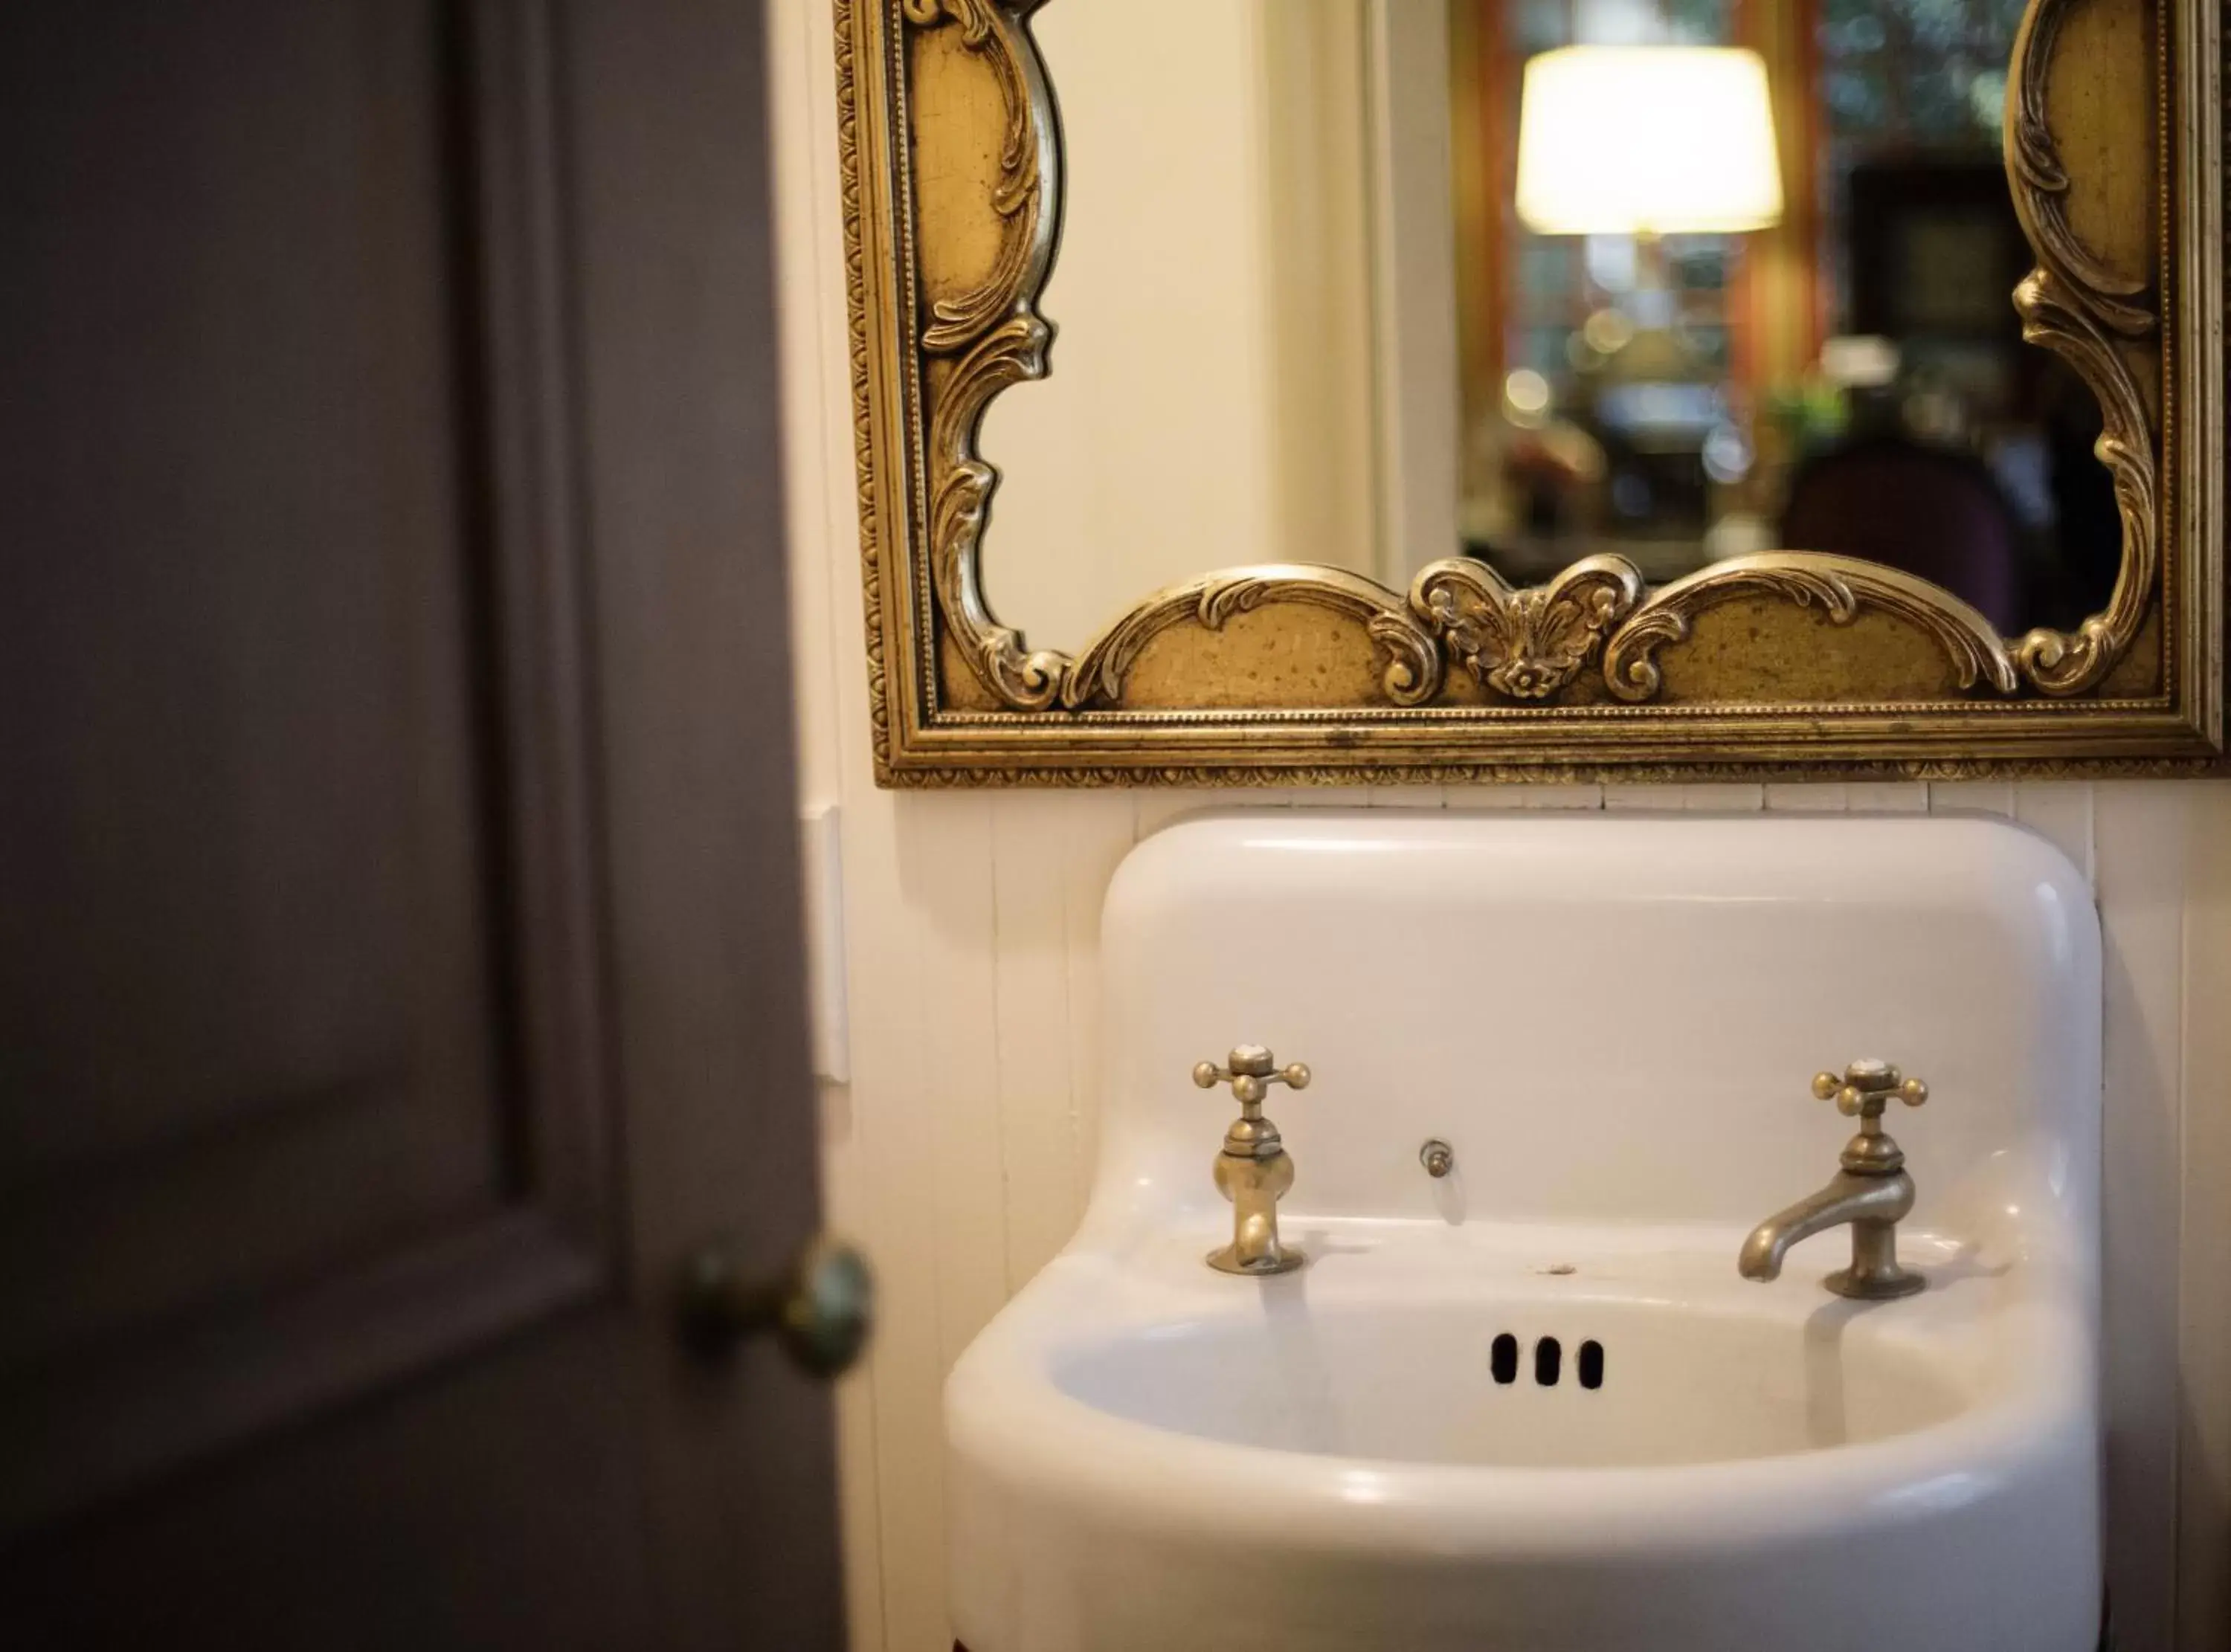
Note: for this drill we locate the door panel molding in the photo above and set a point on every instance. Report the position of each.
(101, 1427)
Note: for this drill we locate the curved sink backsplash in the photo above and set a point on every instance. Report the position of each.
(1601, 1015)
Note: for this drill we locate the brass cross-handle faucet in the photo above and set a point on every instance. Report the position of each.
(1253, 1171)
(1872, 1194)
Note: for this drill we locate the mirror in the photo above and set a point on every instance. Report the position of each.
(1531, 389)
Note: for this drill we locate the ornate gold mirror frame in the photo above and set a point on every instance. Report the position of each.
(1787, 663)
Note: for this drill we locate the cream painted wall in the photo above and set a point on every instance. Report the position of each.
(1213, 268)
(957, 1153)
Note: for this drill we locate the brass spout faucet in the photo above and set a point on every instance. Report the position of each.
(1253, 1171)
(1872, 1193)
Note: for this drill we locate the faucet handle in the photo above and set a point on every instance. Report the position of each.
(1251, 1071)
(1866, 1088)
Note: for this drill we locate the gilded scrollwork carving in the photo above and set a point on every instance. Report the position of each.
(960, 497)
(1029, 163)
(2042, 184)
(2075, 304)
(2069, 663)
(998, 339)
(1838, 586)
(1526, 644)
(1411, 673)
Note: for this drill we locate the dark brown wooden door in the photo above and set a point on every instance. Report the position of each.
(399, 967)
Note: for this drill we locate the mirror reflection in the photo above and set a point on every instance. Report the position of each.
(1373, 282)
(1736, 277)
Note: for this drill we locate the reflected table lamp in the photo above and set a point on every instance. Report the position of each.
(1648, 141)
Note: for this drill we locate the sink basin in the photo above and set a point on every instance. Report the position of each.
(1533, 1407)
(1664, 1385)
(1328, 1461)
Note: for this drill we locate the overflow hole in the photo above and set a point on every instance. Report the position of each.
(1592, 1365)
(1548, 1358)
(1502, 1360)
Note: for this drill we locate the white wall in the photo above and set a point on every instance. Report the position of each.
(957, 1152)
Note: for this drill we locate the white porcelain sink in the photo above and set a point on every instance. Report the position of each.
(1381, 1450)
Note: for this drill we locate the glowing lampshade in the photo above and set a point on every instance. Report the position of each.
(1647, 139)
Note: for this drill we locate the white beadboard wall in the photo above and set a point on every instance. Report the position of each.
(958, 1153)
